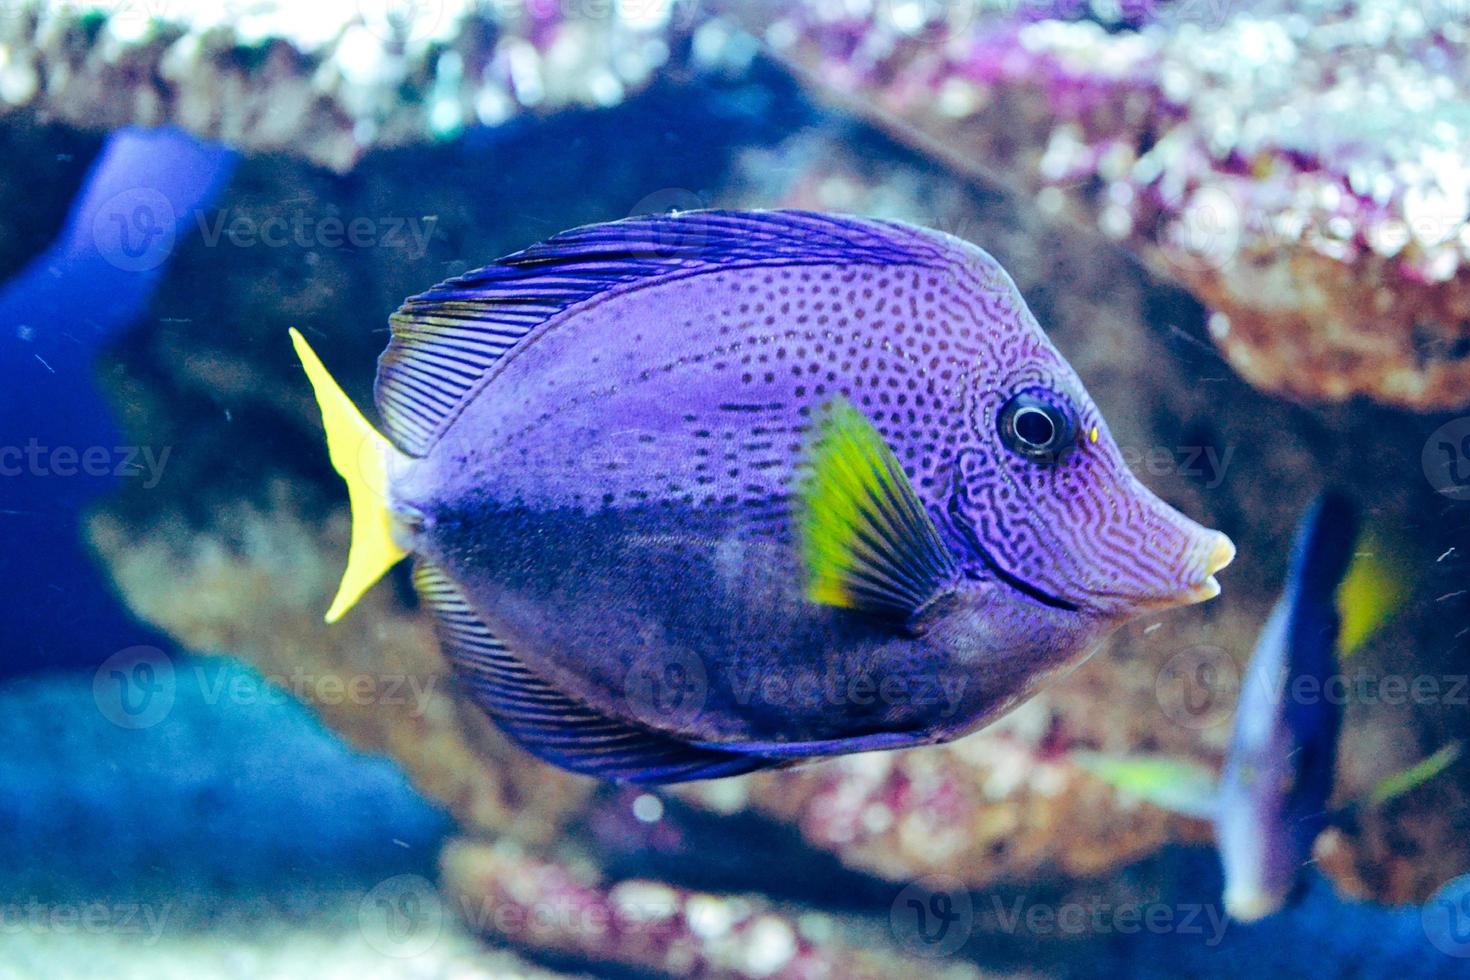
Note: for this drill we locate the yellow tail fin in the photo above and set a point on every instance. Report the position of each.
(360, 455)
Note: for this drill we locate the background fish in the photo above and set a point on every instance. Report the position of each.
(695, 495)
(1282, 760)
(1272, 799)
(92, 284)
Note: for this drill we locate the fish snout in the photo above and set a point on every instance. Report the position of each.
(1176, 563)
(1213, 552)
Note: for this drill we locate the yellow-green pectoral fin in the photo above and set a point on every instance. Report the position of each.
(1370, 593)
(867, 542)
(360, 456)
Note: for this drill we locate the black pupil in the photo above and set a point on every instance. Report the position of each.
(1034, 427)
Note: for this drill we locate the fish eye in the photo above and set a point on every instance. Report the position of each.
(1035, 427)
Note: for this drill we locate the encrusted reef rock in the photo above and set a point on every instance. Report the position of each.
(326, 80)
(379, 679)
(653, 928)
(1300, 165)
(238, 546)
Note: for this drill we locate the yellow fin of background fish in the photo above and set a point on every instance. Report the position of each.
(1415, 776)
(866, 540)
(360, 456)
(1176, 784)
(1370, 593)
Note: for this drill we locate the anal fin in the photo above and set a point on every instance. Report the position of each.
(550, 724)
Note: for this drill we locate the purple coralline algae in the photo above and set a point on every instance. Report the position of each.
(1302, 166)
(328, 80)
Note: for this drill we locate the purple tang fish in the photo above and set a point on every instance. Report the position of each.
(694, 495)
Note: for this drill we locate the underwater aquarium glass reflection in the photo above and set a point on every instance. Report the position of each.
(728, 488)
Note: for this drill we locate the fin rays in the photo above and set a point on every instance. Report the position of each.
(485, 313)
(866, 540)
(360, 456)
(552, 725)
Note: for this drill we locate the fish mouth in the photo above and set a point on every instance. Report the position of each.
(1213, 553)
(1221, 553)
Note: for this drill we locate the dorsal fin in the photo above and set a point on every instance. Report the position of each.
(446, 340)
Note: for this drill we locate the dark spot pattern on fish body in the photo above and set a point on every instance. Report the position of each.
(929, 347)
(602, 434)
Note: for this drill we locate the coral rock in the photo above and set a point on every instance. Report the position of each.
(1299, 164)
(265, 77)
